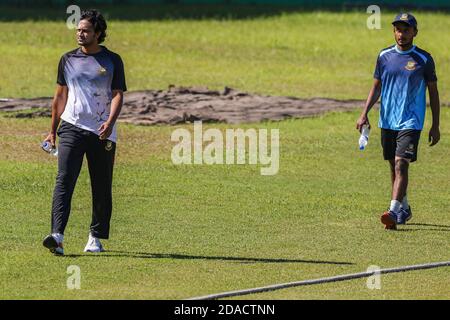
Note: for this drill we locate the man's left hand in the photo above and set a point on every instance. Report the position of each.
(434, 136)
(105, 130)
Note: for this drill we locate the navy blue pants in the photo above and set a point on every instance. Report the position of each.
(73, 144)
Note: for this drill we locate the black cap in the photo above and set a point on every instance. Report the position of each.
(406, 18)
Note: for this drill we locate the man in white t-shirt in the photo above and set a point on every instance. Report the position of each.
(88, 100)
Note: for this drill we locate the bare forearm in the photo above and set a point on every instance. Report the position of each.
(373, 97)
(58, 106)
(434, 135)
(116, 107)
(434, 103)
(435, 108)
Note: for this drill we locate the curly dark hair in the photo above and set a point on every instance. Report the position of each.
(97, 20)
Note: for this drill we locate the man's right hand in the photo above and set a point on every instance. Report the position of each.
(363, 119)
(51, 138)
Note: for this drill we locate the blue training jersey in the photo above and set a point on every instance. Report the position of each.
(404, 76)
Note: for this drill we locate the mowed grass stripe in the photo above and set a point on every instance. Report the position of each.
(181, 231)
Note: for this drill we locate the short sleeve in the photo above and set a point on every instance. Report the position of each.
(61, 80)
(430, 71)
(377, 73)
(118, 80)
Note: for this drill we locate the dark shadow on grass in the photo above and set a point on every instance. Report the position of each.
(429, 225)
(434, 227)
(421, 229)
(144, 255)
(178, 11)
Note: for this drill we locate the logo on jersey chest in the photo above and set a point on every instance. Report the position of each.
(411, 65)
(102, 71)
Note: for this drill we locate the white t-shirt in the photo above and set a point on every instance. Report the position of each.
(90, 79)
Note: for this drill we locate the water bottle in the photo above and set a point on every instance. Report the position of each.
(47, 147)
(364, 138)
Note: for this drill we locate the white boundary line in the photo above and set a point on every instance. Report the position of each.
(322, 280)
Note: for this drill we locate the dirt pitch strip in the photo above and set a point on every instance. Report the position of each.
(180, 105)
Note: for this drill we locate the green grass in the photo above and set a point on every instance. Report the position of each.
(184, 231)
(305, 54)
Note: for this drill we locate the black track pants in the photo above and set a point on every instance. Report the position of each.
(74, 142)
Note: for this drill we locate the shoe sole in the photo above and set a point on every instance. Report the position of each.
(95, 251)
(51, 244)
(389, 223)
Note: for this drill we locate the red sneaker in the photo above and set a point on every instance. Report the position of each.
(389, 219)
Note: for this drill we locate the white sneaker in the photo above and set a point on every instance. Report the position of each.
(93, 245)
(53, 242)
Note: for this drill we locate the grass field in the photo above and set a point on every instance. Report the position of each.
(306, 54)
(182, 231)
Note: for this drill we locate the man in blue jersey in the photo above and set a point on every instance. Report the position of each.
(88, 100)
(403, 73)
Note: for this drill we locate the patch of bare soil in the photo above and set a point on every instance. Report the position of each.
(180, 105)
